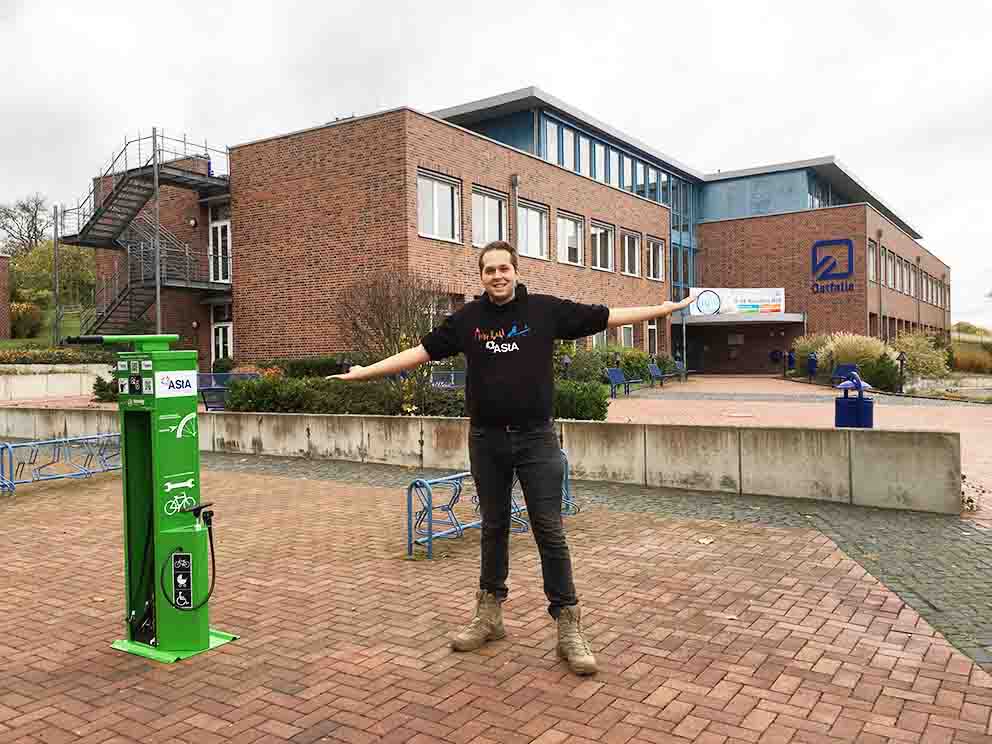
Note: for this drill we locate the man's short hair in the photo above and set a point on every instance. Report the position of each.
(498, 245)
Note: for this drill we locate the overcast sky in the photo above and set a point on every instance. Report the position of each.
(901, 92)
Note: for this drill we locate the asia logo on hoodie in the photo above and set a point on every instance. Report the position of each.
(500, 341)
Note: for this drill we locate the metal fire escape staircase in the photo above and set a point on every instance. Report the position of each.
(116, 221)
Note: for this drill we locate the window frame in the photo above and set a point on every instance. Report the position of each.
(438, 179)
(623, 341)
(652, 325)
(660, 269)
(611, 231)
(580, 223)
(872, 261)
(529, 206)
(504, 212)
(624, 235)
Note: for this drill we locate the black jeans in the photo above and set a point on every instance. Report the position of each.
(534, 454)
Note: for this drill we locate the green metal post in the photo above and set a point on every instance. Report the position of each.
(167, 541)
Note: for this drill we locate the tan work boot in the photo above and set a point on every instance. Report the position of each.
(487, 625)
(571, 645)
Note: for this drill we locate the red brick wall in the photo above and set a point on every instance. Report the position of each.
(900, 308)
(314, 211)
(474, 161)
(775, 251)
(4, 296)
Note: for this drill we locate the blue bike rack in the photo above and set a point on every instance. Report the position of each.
(81, 457)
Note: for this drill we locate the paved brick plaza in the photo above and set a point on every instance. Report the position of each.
(706, 630)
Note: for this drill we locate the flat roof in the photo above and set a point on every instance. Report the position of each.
(736, 318)
(831, 170)
(532, 97)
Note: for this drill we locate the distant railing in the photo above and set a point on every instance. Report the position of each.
(139, 153)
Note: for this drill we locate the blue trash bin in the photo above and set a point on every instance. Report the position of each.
(854, 413)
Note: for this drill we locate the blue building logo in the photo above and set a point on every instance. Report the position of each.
(832, 263)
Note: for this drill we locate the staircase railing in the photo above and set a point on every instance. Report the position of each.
(137, 153)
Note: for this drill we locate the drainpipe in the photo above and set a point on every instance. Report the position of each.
(916, 293)
(514, 196)
(883, 273)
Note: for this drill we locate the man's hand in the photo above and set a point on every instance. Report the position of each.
(683, 303)
(353, 373)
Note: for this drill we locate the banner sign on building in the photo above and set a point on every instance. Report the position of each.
(737, 301)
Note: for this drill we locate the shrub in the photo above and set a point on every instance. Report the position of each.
(106, 390)
(850, 348)
(320, 366)
(277, 394)
(972, 360)
(57, 355)
(806, 344)
(581, 400)
(26, 320)
(590, 365)
(224, 364)
(881, 372)
(923, 357)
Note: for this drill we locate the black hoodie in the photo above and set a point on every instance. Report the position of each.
(509, 350)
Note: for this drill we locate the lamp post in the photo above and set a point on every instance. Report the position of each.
(902, 364)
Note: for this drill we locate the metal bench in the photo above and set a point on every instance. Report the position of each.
(655, 373)
(616, 377)
(212, 387)
(421, 522)
(843, 372)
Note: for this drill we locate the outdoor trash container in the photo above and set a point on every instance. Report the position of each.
(857, 412)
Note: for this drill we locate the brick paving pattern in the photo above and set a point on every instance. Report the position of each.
(706, 630)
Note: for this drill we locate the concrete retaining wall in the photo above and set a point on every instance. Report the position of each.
(56, 385)
(915, 470)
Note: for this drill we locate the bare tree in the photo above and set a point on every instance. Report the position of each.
(24, 224)
(391, 311)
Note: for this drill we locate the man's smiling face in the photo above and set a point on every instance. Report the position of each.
(499, 278)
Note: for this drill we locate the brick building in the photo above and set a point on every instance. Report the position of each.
(260, 242)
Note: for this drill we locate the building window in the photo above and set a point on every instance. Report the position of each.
(872, 259)
(627, 176)
(666, 194)
(437, 208)
(488, 218)
(602, 247)
(568, 149)
(551, 142)
(584, 162)
(656, 259)
(631, 254)
(532, 231)
(912, 281)
(653, 337)
(892, 271)
(570, 240)
(627, 336)
(601, 339)
(899, 273)
(640, 187)
(599, 159)
(614, 173)
(653, 185)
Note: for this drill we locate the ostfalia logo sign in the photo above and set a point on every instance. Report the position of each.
(832, 263)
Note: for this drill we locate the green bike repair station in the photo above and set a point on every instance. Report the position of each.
(167, 530)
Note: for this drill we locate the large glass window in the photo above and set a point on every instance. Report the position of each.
(627, 336)
(627, 176)
(872, 259)
(599, 152)
(568, 148)
(656, 259)
(601, 339)
(614, 168)
(666, 195)
(437, 208)
(653, 185)
(601, 239)
(551, 141)
(640, 186)
(488, 218)
(584, 162)
(631, 254)
(532, 231)
(570, 240)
